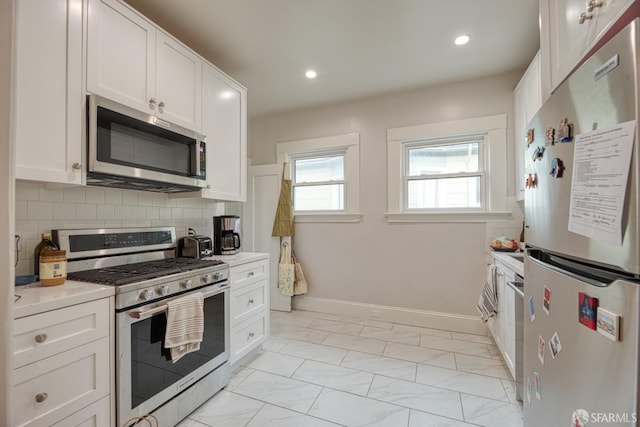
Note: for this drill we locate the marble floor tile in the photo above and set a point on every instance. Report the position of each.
(317, 352)
(482, 339)
(422, 331)
(368, 322)
(316, 315)
(349, 342)
(336, 377)
(275, 363)
(456, 346)
(188, 422)
(273, 416)
(394, 368)
(237, 377)
(275, 343)
(416, 396)
(429, 356)
(227, 409)
(279, 391)
(355, 411)
(299, 321)
(452, 379)
(333, 326)
(423, 419)
(402, 337)
(482, 366)
(297, 333)
(491, 413)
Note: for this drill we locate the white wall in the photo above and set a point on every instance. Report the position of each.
(427, 266)
(39, 209)
(6, 212)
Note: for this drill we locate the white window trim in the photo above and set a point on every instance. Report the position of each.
(350, 144)
(495, 191)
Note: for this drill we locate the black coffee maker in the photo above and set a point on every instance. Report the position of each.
(226, 234)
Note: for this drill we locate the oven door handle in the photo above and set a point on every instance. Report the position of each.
(159, 309)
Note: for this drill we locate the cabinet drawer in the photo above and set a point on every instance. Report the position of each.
(244, 274)
(248, 335)
(43, 335)
(56, 387)
(247, 301)
(95, 415)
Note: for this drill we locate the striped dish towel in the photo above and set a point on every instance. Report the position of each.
(488, 301)
(185, 325)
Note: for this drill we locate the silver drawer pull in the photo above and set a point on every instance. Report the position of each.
(250, 274)
(41, 397)
(251, 335)
(250, 301)
(40, 338)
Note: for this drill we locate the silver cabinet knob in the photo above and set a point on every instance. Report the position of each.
(161, 104)
(187, 284)
(40, 338)
(146, 294)
(77, 166)
(251, 273)
(250, 301)
(593, 4)
(584, 17)
(163, 290)
(251, 335)
(41, 397)
(152, 101)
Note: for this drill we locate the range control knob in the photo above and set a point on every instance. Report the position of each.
(187, 284)
(145, 294)
(163, 290)
(207, 278)
(216, 276)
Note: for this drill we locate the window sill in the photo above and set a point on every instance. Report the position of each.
(402, 217)
(327, 217)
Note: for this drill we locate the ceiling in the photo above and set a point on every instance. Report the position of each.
(359, 48)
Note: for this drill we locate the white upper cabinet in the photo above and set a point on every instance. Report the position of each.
(131, 61)
(48, 91)
(527, 98)
(570, 28)
(224, 124)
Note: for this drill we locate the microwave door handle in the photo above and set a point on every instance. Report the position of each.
(196, 153)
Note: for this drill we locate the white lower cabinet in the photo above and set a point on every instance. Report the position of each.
(502, 326)
(249, 307)
(62, 372)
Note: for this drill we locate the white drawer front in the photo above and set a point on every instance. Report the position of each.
(43, 335)
(95, 415)
(248, 336)
(244, 274)
(51, 389)
(247, 301)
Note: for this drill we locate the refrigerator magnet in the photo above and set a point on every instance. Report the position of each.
(546, 302)
(538, 153)
(608, 324)
(557, 167)
(529, 137)
(587, 307)
(532, 309)
(554, 345)
(565, 131)
(549, 137)
(541, 349)
(536, 379)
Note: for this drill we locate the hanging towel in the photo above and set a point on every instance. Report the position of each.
(488, 301)
(185, 325)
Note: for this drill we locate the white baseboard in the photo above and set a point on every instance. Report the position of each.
(383, 313)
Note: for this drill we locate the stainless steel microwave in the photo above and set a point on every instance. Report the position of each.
(133, 150)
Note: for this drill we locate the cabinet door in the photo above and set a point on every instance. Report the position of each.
(178, 83)
(49, 98)
(224, 123)
(121, 54)
(508, 325)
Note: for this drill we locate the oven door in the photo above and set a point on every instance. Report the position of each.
(146, 377)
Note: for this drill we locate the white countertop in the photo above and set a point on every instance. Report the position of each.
(35, 298)
(240, 258)
(508, 259)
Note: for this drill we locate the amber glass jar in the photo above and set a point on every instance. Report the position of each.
(53, 267)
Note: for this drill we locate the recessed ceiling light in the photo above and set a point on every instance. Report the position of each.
(311, 74)
(462, 39)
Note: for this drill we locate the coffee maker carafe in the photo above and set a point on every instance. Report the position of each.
(226, 234)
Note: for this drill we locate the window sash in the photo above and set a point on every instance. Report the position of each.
(337, 182)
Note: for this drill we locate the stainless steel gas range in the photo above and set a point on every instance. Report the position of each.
(141, 264)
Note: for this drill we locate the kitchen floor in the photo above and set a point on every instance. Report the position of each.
(328, 370)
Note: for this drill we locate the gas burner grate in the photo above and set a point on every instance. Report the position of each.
(131, 273)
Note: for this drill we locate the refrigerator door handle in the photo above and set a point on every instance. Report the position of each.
(568, 268)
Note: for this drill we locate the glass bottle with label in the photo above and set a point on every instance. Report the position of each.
(45, 245)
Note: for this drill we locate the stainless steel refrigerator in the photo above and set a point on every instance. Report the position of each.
(582, 269)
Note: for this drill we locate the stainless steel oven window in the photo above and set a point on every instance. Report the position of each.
(146, 376)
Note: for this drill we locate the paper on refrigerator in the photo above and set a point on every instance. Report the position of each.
(601, 161)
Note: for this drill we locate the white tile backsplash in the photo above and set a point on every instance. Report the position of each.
(40, 209)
